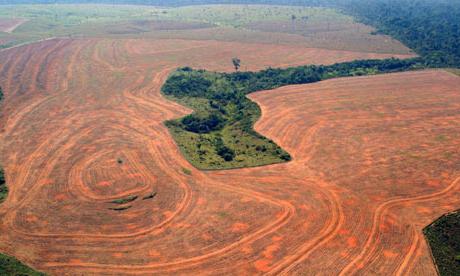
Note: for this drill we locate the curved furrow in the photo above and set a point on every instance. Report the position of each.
(379, 214)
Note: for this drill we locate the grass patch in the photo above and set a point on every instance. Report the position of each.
(441, 138)
(150, 196)
(455, 71)
(124, 200)
(120, 208)
(10, 266)
(222, 214)
(443, 236)
(186, 171)
(219, 133)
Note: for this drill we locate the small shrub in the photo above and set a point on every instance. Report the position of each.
(186, 171)
(124, 200)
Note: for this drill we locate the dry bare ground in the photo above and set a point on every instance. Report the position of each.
(375, 159)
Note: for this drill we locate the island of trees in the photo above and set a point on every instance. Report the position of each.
(219, 133)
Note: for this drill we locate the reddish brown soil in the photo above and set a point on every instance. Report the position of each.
(375, 159)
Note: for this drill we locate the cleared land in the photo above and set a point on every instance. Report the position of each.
(375, 160)
(251, 23)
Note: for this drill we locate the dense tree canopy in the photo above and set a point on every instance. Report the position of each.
(429, 27)
(443, 236)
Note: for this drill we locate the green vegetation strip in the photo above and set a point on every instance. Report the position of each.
(219, 133)
(124, 200)
(3, 187)
(443, 236)
(10, 266)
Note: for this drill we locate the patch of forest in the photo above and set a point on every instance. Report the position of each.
(443, 236)
(219, 133)
(429, 27)
(10, 266)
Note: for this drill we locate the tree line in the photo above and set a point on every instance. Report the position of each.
(3, 188)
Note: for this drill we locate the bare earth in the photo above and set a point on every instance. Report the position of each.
(375, 159)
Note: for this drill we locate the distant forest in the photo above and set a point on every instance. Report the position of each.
(429, 27)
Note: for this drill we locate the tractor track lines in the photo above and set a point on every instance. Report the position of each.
(379, 215)
(327, 233)
(84, 104)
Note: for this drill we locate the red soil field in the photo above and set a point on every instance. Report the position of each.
(375, 159)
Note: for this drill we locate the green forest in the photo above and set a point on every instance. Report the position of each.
(444, 238)
(10, 266)
(429, 27)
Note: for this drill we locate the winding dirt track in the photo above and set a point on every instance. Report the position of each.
(375, 159)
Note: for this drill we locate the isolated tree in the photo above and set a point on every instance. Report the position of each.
(236, 63)
(1, 94)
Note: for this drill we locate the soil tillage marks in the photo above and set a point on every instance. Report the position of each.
(389, 145)
(85, 104)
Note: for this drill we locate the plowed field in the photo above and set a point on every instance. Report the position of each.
(375, 160)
